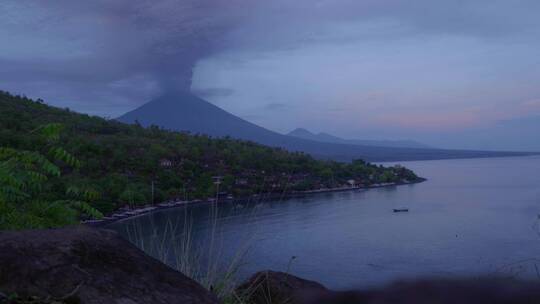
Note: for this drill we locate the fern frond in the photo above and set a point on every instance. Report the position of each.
(50, 131)
(59, 153)
(9, 193)
(6, 153)
(73, 191)
(91, 195)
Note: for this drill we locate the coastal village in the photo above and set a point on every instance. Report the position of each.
(277, 185)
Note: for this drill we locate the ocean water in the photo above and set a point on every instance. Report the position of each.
(473, 217)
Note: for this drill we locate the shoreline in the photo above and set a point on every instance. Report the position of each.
(143, 210)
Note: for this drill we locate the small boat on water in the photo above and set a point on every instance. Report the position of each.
(401, 210)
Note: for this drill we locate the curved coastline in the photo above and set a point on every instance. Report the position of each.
(144, 210)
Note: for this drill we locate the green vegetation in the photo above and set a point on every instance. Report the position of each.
(116, 164)
(32, 193)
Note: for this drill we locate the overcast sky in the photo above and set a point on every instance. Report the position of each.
(457, 74)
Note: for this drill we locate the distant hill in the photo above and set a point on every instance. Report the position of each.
(183, 111)
(325, 137)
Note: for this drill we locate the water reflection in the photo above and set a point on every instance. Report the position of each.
(472, 217)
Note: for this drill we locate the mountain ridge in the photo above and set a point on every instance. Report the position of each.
(183, 111)
(329, 138)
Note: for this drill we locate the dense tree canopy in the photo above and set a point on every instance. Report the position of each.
(120, 162)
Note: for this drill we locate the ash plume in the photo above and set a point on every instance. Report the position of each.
(106, 56)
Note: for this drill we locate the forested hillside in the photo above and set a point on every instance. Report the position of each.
(118, 163)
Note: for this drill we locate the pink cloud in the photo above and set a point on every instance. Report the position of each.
(432, 120)
(531, 105)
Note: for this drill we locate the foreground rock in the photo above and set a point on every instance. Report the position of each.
(280, 288)
(467, 291)
(84, 265)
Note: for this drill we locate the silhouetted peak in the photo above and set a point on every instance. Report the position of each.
(300, 132)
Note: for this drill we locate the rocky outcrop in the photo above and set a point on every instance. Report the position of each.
(85, 265)
(93, 266)
(279, 288)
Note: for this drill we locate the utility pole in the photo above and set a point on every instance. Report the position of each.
(152, 191)
(217, 182)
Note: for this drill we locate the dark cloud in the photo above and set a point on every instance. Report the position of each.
(113, 51)
(213, 92)
(100, 43)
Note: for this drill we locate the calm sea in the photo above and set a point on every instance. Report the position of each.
(472, 217)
